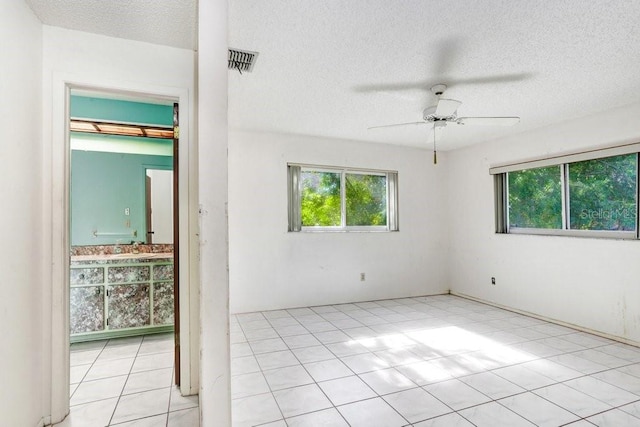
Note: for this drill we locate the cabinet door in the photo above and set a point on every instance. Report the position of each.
(86, 276)
(163, 303)
(163, 272)
(128, 306)
(128, 273)
(86, 309)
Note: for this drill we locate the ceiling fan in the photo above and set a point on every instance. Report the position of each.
(445, 112)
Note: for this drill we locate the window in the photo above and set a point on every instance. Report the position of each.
(321, 203)
(535, 198)
(341, 199)
(602, 194)
(594, 197)
(366, 199)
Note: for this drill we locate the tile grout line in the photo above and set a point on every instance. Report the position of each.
(125, 383)
(173, 372)
(86, 373)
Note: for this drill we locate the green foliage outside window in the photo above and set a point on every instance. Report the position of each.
(320, 201)
(535, 198)
(365, 199)
(602, 194)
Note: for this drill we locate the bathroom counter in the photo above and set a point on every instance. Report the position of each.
(127, 257)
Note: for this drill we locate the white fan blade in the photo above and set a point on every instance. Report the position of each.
(447, 107)
(488, 121)
(398, 124)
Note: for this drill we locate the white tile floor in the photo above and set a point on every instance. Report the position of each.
(127, 382)
(427, 361)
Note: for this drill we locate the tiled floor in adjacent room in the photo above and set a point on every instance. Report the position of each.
(127, 382)
(427, 361)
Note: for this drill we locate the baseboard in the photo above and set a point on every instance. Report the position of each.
(548, 319)
(445, 292)
(120, 333)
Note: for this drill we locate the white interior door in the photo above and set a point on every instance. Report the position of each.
(161, 188)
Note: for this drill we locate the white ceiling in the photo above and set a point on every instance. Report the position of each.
(320, 61)
(165, 22)
(335, 68)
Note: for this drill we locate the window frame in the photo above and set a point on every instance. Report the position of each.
(295, 199)
(501, 184)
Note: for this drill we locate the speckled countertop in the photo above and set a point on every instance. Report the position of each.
(123, 257)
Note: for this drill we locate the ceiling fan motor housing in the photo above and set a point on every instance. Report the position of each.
(438, 89)
(429, 115)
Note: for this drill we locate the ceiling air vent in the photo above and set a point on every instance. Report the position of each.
(242, 60)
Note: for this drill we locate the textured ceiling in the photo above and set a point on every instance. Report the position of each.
(165, 22)
(335, 68)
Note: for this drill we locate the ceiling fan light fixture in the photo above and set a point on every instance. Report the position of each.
(447, 108)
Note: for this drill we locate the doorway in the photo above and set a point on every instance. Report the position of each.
(139, 78)
(124, 285)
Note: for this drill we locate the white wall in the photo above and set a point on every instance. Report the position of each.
(89, 60)
(215, 400)
(271, 268)
(592, 283)
(21, 397)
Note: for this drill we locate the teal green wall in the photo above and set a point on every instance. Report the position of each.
(104, 183)
(112, 110)
(102, 186)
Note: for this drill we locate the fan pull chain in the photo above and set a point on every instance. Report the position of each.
(435, 155)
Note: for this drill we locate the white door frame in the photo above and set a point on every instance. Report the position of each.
(55, 252)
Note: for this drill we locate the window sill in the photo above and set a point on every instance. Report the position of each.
(318, 231)
(591, 234)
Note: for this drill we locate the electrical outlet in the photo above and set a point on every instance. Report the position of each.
(493, 280)
(127, 211)
(362, 277)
